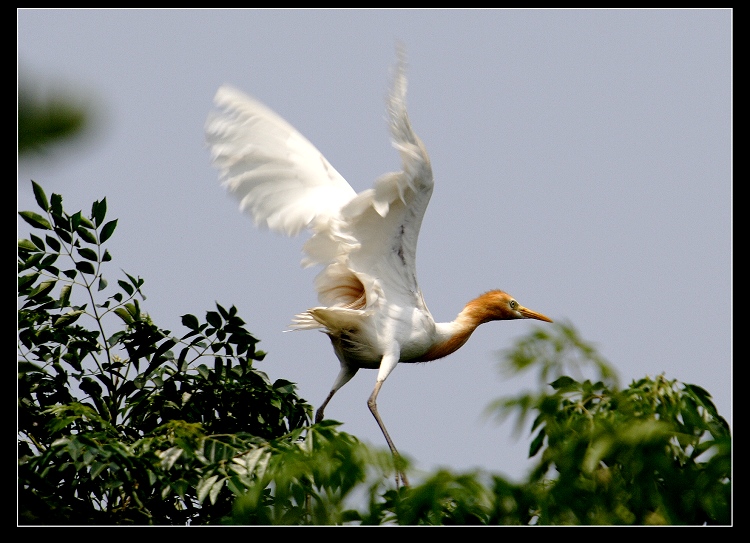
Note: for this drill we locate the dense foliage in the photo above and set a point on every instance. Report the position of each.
(43, 122)
(117, 427)
(123, 422)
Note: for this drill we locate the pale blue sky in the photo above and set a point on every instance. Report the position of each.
(582, 162)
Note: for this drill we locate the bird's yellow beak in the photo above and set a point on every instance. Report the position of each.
(529, 314)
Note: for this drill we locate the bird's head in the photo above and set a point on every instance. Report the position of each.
(498, 305)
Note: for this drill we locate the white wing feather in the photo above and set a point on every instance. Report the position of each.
(385, 220)
(278, 176)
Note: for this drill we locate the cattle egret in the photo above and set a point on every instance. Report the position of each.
(371, 306)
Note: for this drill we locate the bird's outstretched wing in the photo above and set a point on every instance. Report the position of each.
(366, 242)
(374, 240)
(278, 176)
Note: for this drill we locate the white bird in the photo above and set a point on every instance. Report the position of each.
(371, 308)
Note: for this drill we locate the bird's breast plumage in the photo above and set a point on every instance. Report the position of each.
(362, 337)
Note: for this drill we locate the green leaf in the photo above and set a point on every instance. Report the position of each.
(204, 371)
(169, 457)
(164, 347)
(102, 283)
(537, 443)
(63, 234)
(114, 338)
(68, 318)
(65, 295)
(215, 489)
(36, 240)
(56, 204)
(86, 235)
(701, 394)
(35, 220)
(106, 257)
(564, 382)
(88, 254)
(75, 220)
(204, 487)
(181, 360)
(136, 282)
(134, 309)
(47, 261)
(98, 211)
(107, 230)
(125, 286)
(124, 314)
(190, 321)
(26, 280)
(27, 367)
(27, 245)
(33, 260)
(87, 223)
(97, 468)
(86, 267)
(41, 198)
(42, 289)
(62, 222)
(213, 318)
(53, 243)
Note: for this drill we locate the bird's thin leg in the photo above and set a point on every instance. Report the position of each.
(321, 409)
(342, 378)
(372, 404)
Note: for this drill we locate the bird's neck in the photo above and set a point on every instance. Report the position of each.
(451, 336)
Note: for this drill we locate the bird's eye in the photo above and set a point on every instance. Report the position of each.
(513, 304)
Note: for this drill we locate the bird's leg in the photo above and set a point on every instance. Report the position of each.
(372, 404)
(387, 364)
(321, 409)
(342, 378)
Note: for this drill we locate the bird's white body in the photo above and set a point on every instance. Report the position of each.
(371, 305)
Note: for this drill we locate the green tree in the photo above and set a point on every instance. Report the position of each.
(655, 452)
(45, 122)
(131, 426)
(123, 422)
